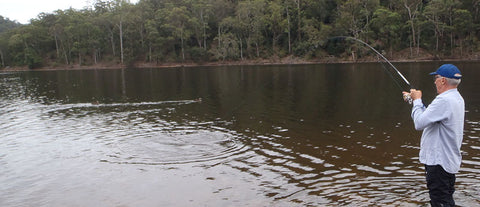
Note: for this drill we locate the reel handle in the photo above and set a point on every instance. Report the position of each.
(407, 98)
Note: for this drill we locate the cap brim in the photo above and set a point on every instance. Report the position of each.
(433, 73)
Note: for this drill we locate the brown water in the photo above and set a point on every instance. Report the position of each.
(308, 135)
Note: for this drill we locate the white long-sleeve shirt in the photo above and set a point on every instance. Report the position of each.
(442, 124)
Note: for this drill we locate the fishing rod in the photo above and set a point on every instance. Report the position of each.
(406, 96)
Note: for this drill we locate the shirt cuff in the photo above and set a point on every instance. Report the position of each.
(418, 102)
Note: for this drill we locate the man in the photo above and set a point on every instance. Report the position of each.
(442, 124)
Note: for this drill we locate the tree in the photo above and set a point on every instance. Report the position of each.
(440, 14)
(7, 24)
(230, 39)
(412, 7)
(386, 25)
(276, 22)
(462, 24)
(354, 16)
(250, 18)
(3, 49)
(177, 21)
(26, 46)
(197, 30)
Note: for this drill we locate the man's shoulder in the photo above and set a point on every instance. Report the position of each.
(452, 93)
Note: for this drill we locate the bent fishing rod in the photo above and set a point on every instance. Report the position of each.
(406, 96)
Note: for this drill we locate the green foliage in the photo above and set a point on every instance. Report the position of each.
(386, 27)
(32, 59)
(116, 31)
(6, 24)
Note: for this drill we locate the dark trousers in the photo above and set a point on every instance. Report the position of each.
(440, 186)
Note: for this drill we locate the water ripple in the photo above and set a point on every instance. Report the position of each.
(55, 152)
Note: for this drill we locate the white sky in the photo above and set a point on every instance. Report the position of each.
(24, 10)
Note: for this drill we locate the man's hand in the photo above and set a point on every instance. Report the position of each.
(415, 94)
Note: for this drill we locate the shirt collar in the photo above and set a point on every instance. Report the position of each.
(449, 91)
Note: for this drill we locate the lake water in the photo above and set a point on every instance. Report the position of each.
(304, 135)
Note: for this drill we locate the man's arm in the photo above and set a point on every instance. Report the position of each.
(435, 112)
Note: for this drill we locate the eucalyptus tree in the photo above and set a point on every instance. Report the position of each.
(149, 32)
(201, 12)
(28, 44)
(317, 18)
(464, 28)
(118, 18)
(250, 17)
(112, 16)
(133, 32)
(354, 16)
(5, 26)
(413, 8)
(315, 34)
(153, 40)
(386, 26)
(276, 21)
(82, 34)
(3, 49)
(221, 9)
(229, 39)
(104, 20)
(440, 14)
(177, 22)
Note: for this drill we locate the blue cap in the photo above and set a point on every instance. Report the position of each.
(448, 71)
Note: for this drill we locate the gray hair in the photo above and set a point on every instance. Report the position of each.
(453, 81)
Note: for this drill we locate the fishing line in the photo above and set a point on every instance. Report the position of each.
(388, 67)
(385, 67)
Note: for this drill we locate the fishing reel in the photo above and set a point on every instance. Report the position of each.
(407, 98)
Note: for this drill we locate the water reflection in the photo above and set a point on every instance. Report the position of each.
(261, 136)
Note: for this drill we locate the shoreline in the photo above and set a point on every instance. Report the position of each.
(262, 62)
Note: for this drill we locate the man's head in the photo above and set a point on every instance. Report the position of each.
(446, 77)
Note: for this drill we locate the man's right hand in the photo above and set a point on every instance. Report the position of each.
(415, 94)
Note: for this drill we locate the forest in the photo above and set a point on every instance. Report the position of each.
(155, 32)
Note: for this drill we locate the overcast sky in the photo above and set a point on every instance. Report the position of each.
(24, 10)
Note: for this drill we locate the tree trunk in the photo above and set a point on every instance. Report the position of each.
(204, 31)
(241, 48)
(461, 48)
(25, 53)
(205, 36)
(1, 57)
(150, 53)
(412, 26)
(112, 42)
(299, 22)
(183, 50)
(289, 37)
(66, 57)
(274, 40)
(437, 36)
(121, 41)
(56, 46)
(142, 38)
(95, 55)
(219, 35)
(411, 16)
(418, 39)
